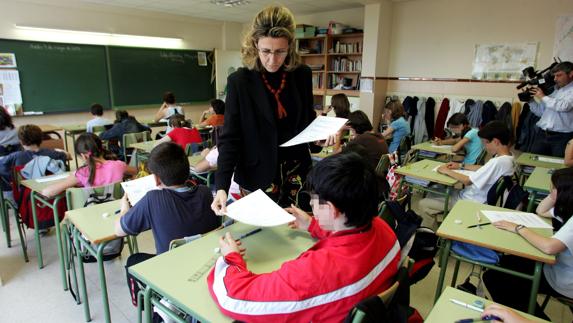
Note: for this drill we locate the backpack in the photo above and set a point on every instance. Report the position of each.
(38, 167)
(393, 178)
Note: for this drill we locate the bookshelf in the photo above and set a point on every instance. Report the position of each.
(334, 60)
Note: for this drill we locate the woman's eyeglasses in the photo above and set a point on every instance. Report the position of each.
(279, 52)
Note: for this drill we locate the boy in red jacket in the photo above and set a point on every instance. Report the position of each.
(356, 255)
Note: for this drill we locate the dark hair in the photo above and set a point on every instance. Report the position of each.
(169, 97)
(566, 67)
(359, 121)
(169, 162)
(349, 182)
(341, 105)
(356, 148)
(96, 109)
(496, 130)
(396, 108)
(5, 119)
(561, 180)
(121, 115)
(458, 119)
(178, 121)
(30, 134)
(218, 106)
(91, 145)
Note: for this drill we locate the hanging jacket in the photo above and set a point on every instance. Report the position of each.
(528, 129)
(420, 131)
(441, 119)
(515, 112)
(474, 115)
(488, 113)
(429, 117)
(504, 115)
(413, 114)
(456, 106)
(467, 107)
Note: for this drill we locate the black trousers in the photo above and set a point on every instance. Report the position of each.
(132, 282)
(514, 291)
(551, 143)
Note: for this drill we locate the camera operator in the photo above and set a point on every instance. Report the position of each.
(555, 111)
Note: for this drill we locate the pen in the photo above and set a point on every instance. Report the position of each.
(116, 211)
(250, 233)
(471, 307)
(478, 225)
(480, 319)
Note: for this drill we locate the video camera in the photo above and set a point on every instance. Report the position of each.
(542, 79)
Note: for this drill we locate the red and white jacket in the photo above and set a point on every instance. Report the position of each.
(321, 285)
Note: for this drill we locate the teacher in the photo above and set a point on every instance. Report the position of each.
(269, 101)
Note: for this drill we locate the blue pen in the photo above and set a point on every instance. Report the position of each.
(250, 233)
(480, 319)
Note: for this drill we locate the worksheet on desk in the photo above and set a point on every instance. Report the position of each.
(258, 209)
(319, 129)
(529, 220)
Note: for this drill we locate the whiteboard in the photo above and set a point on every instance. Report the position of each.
(226, 61)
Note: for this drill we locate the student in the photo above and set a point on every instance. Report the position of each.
(97, 121)
(181, 133)
(361, 133)
(30, 137)
(97, 171)
(569, 153)
(9, 141)
(399, 127)
(209, 163)
(217, 111)
(356, 256)
(168, 109)
(339, 106)
(124, 123)
(175, 210)
(495, 136)
(557, 279)
(465, 138)
(506, 315)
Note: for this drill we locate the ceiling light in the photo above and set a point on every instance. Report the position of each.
(230, 3)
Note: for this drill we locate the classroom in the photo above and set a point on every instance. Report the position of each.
(162, 67)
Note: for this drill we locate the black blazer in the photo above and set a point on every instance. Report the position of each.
(248, 143)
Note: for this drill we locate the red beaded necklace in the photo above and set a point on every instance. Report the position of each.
(281, 112)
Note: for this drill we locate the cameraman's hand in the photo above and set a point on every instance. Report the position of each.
(537, 92)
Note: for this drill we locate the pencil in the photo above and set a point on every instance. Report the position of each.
(478, 225)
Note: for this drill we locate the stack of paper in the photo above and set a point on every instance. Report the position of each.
(258, 209)
(529, 220)
(319, 129)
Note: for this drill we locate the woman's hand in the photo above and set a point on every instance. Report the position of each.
(219, 205)
(302, 219)
(505, 225)
(229, 245)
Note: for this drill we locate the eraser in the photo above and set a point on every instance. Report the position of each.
(217, 250)
(105, 215)
(458, 221)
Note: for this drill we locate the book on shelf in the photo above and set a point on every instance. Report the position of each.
(317, 80)
(343, 64)
(346, 48)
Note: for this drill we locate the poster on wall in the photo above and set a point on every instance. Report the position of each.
(7, 60)
(563, 45)
(11, 94)
(503, 61)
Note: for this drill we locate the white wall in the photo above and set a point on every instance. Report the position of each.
(436, 38)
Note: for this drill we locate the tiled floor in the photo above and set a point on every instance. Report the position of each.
(32, 295)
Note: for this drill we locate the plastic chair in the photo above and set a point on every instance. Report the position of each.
(196, 147)
(6, 205)
(563, 300)
(383, 164)
(132, 138)
(481, 158)
(404, 147)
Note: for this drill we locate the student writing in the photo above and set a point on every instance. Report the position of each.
(398, 127)
(466, 138)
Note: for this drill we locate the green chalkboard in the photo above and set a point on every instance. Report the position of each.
(56, 77)
(142, 75)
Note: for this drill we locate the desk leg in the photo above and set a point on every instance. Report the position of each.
(74, 145)
(147, 305)
(532, 196)
(102, 281)
(444, 256)
(83, 286)
(36, 230)
(537, 272)
(5, 220)
(447, 200)
(59, 240)
(66, 134)
(400, 186)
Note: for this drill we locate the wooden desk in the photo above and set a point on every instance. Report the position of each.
(72, 131)
(446, 311)
(488, 237)
(527, 162)
(49, 128)
(180, 275)
(143, 149)
(36, 197)
(538, 184)
(434, 151)
(90, 223)
(205, 176)
(423, 171)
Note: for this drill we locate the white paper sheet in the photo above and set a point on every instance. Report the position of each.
(258, 209)
(137, 188)
(319, 129)
(444, 147)
(52, 178)
(529, 220)
(551, 160)
(459, 171)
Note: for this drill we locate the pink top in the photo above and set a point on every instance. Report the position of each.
(111, 171)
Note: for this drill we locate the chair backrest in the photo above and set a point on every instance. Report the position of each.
(481, 157)
(195, 147)
(131, 138)
(405, 144)
(495, 193)
(383, 164)
(76, 197)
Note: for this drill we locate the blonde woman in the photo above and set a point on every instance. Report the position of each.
(268, 102)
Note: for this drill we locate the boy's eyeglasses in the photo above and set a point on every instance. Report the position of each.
(279, 52)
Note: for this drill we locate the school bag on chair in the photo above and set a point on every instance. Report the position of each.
(38, 167)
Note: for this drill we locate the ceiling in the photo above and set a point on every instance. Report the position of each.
(244, 13)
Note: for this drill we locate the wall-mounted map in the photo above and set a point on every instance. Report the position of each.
(503, 61)
(563, 46)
